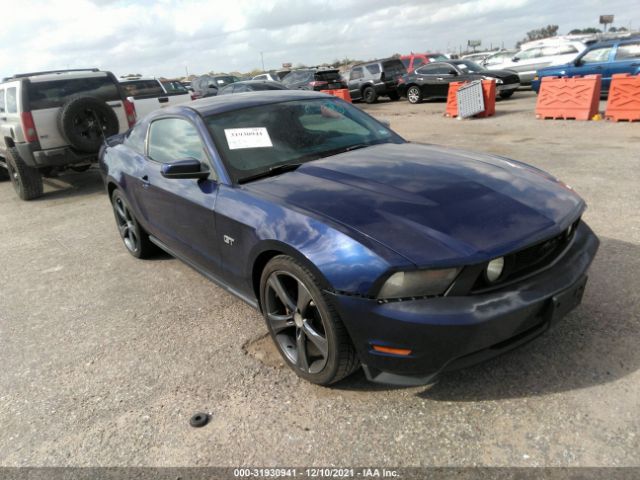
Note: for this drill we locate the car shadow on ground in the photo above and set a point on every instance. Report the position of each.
(72, 184)
(594, 345)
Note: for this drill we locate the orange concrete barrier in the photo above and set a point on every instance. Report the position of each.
(452, 99)
(342, 93)
(488, 95)
(574, 98)
(624, 98)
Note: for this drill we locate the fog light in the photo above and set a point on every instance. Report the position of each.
(495, 269)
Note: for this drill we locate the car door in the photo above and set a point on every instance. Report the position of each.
(434, 79)
(626, 59)
(592, 62)
(179, 212)
(356, 78)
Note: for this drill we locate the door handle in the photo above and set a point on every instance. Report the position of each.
(163, 99)
(439, 78)
(145, 181)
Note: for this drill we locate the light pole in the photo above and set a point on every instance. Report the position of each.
(262, 60)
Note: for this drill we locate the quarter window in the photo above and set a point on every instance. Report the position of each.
(12, 100)
(628, 51)
(373, 69)
(135, 139)
(2, 105)
(173, 139)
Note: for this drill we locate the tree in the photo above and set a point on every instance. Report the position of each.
(619, 29)
(539, 34)
(578, 31)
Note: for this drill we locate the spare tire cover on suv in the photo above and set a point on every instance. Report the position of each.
(84, 121)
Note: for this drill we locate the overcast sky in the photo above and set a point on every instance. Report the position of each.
(163, 37)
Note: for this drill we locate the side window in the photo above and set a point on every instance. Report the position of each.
(12, 100)
(135, 139)
(628, 51)
(172, 139)
(427, 70)
(373, 69)
(2, 104)
(356, 73)
(597, 55)
(531, 53)
(240, 88)
(436, 69)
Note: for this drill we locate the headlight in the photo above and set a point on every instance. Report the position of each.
(418, 283)
(494, 269)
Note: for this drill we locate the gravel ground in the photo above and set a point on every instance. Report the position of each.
(104, 357)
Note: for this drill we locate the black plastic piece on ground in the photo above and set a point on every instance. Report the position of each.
(199, 420)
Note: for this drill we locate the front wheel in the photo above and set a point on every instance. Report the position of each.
(414, 94)
(133, 235)
(506, 94)
(369, 94)
(304, 326)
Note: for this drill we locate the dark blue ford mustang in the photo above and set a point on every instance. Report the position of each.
(359, 248)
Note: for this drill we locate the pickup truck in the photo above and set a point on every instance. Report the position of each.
(150, 94)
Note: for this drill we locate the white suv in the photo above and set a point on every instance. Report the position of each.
(58, 120)
(529, 60)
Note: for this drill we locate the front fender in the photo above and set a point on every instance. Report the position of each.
(344, 261)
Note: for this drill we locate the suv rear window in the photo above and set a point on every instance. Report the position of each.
(327, 76)
(393, 68)
(143, 88)
(55, 93)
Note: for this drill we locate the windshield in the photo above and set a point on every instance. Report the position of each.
(468, 66)
(253, 141)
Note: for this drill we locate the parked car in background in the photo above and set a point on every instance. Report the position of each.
(357, 247)
(432, 81)
(57, 120)
(208, 85)
(379, 78)
(527, 62)
(313, 79)
(174, 86)
(272, 75)
(476, 57)
(251, 86)
(606, 58)
(416, 60)
(498, 58)
(149, 94)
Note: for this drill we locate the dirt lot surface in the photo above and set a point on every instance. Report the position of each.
(103, 358)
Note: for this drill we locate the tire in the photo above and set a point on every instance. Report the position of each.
(80, 168)
(4, 174)
(506, 94)
(414, 94)
(369, 95)
(85, 121)
(394, 96)
(300, 318)
(135, 239)
(26, 180)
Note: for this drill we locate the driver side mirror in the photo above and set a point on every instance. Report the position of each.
(577, 62)
(187, 168)
(515, 59)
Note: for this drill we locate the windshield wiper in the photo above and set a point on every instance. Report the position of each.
(277, 170)
(356, 147)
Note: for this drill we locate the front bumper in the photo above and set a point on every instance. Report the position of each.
(447, 333)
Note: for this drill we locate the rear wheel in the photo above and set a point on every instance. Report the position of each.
(135, 239)
(26, 180)
(414, 94)
(4, 174)
(506, 94)
(369, 94)
(303, 324)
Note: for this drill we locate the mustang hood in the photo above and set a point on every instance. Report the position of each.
(435, 206)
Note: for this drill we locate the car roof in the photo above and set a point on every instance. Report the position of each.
(375, 61)
(614, 41)
(253, 82)
(228, 103)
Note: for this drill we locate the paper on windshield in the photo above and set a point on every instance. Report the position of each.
(256, 137)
